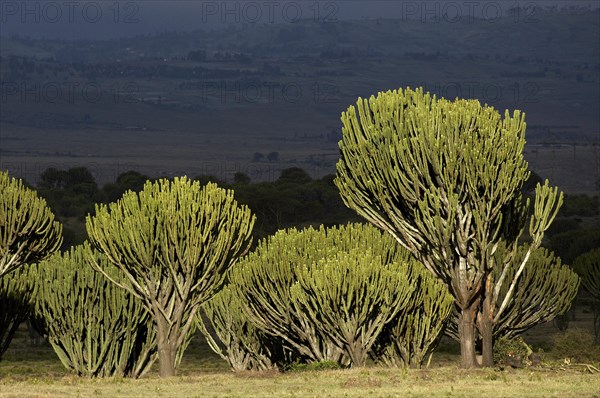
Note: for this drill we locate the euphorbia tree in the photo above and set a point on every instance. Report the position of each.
(445, 178)
(587, 266)
(28, 232)
(174, 241)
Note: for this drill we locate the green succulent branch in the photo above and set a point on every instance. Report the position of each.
(28, 232)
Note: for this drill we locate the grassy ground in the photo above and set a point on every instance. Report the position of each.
(34, 371)
(369, 382)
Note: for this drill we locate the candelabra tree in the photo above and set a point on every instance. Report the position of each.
(587, 266)
(174, 241)
(95, 328)
(28, 232)
(266, 276)
(444, 178)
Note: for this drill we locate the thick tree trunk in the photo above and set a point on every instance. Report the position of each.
(167, 348)
(358, 355)
(466, 331)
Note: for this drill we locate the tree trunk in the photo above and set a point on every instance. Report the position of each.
(486, 329)
(466, 331)
(167, 347)
(358, 355)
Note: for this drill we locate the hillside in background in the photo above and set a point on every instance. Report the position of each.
(212, 102)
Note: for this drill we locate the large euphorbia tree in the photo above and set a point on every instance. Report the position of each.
(445, 178)
(174, 241)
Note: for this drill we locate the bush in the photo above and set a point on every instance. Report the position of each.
(349, 297)
(514, 352)
(575, 344)
(588, 267)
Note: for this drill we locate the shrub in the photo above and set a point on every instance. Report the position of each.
(265, 278)
(349, 297)
(575, 344)
(514, 352)
(588, 267)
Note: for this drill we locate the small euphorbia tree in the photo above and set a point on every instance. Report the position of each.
(174, 241)
(28, 232)
(587, 266)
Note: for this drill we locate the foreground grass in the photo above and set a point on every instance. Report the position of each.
(35, 371)
(368, 382)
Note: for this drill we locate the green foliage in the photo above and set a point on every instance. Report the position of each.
(276, 204)
(174, 241)
(544, 291)
(294, 175)
(510, 350)
(28, 232)
(293, 202)
(265, 278)
(15, 305)
(415, 331)
(561, 225)
(128, 181)
(95, 328)
(575, 344)
(587, 266)
(241, 178)
(71, 193)
(230, 334)
(349, 297)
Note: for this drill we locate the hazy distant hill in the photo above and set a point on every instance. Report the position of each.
(177, 102)
(558, 37)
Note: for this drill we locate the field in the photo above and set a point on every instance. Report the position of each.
(371, 382)
(34, 371)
